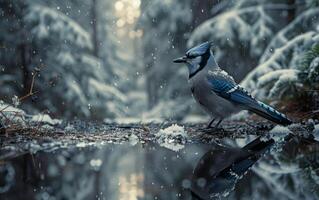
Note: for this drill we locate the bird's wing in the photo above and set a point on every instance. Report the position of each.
(224, 86)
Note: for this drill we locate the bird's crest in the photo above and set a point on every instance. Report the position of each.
(199, 49)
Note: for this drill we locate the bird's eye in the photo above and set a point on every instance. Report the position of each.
(190, 56)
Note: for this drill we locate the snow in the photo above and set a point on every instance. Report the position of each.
(133, 139)
(172, 146)
(282, 82)
(88, 144)
(133, 120)
(279, 81)
(220, 72)
(122, 120)
(5, 108)
(242, 115)
(272, 76)
(13, 113)
(194, 119)
(108, 90)
(173, 137)
(279, 132)
(45, 118)
(169, 109)
(304, 23)
(51, 22)
(273, 63)
(232, 25)
(66, 58)
(173, 130)
(69, 128)
(75, 83)
(15, 101)
(284, 52)
(277, 61)
(72, 81)
(74, 93)
(92, 66)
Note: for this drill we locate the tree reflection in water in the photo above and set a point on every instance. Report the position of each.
(148, 171)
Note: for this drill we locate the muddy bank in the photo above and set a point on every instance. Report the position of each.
(45, 136)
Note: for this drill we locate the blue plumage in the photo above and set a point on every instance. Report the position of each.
(217, 91)
(224, 86)
(199, 50)
(259, 108)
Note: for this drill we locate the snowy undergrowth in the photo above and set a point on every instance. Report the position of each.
(9, 110)
(133, 120)
(45, 118)
(133, 139)
(195, 119)
(242, 32)
(279, 72)
(282, 71)
(12, 117)
(280, 131)
(173, 137)
(235, 25)
(11, 114)
(81, 77)
(60, 24)
(305, 22)
(242, 115)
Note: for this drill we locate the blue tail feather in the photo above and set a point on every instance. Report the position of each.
(270, 113)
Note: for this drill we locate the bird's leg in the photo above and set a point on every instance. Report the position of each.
(216, 126)
(210, 123)
(210, 128)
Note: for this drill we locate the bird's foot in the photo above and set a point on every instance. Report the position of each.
(210, 129)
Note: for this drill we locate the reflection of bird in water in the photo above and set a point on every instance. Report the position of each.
(219, 169)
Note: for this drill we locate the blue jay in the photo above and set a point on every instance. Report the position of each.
(217, 92)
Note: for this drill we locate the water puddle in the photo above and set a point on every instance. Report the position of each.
(246, 168)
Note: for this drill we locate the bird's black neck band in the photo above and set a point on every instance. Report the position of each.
(202, 64)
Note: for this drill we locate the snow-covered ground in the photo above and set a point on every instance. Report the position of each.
(173, 137)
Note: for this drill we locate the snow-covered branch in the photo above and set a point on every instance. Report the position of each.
(307, 21)
(285, 57)
(48, 23)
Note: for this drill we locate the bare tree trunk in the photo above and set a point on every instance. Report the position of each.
(94, 23)
(26, 74)
(24, 49)
(291, 12)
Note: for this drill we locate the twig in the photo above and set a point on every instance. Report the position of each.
(30, 93)
(311, 113)
(5, 108)
(31, 88)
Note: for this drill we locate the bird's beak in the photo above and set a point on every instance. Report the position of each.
(180, 60)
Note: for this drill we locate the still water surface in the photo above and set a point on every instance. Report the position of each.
(260, 170)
